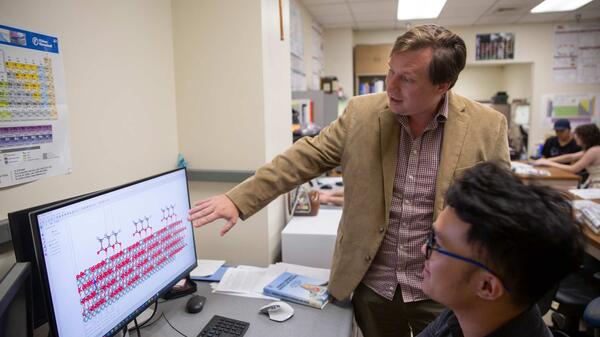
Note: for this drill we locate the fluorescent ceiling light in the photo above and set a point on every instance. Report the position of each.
(422, 9)
(559, 5)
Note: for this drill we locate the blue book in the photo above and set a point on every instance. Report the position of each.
(299, 289)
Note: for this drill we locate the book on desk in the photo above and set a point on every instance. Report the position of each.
(298, 289)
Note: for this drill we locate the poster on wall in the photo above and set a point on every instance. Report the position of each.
(33, 108)
(298, 77)
(579, 108)
(495, 46)
(577, 54)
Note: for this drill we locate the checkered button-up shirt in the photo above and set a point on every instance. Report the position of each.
(399, 261)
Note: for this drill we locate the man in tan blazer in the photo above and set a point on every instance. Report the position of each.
(399, 153)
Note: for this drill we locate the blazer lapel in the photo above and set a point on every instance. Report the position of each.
(455, 131)
(389, 138)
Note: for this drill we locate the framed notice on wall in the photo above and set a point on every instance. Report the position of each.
(495, 46)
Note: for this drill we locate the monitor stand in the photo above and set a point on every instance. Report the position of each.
(189, 287)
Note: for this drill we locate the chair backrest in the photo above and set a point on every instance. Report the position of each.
(558, 333)
(545, 302)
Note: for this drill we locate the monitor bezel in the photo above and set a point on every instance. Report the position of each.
(44, 271)
(22, 240)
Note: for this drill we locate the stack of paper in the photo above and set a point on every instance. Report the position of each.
(249, 281)
(587, 193)
(527, 170)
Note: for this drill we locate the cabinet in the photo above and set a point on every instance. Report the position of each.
(370, 67)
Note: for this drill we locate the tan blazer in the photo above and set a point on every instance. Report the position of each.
(364, 141)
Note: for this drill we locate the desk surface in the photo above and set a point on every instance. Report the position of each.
(334, 320)
(591, 237)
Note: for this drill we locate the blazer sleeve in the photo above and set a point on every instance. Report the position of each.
(500, 152)
(308, 158)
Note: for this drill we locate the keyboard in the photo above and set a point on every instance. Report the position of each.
(220, 326)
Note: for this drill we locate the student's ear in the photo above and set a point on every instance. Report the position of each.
(489, 287)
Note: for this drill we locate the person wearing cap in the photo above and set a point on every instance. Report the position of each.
(562, 143)
(588, 137)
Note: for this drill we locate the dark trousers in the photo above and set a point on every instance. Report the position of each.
(376, 316)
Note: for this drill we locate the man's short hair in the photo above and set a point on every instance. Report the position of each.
(526, 233)
(449, 51)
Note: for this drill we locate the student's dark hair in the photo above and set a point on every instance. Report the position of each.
(589, 134)
(525, 233)
(449, 51)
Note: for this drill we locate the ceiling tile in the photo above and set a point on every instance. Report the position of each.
(456, 21)
(376, 25)
(320, 2)
(464, 10)
(339, 25)
(329, 9)
(372, 12)
(541, 17)
(594, 4)
(334, 19)
(497, 19)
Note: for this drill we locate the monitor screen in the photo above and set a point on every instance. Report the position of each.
(22, 242)
(105, 258)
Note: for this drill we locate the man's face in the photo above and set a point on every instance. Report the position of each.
(409, 89)
(563, 134)
(446, 279)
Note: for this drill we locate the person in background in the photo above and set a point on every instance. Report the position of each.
(562, 143)
(588, 137)
(497, 248)
(399, 151)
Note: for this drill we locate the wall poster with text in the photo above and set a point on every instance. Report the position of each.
(33, 108)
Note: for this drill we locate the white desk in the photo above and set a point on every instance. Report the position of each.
(310, 240)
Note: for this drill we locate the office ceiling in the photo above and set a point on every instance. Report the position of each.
(381, 14)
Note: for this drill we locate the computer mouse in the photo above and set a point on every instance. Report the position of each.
(195, 304)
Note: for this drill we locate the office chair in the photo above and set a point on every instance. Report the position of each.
(591, 316)
(574, 293)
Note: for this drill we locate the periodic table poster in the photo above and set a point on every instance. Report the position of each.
(33, 108)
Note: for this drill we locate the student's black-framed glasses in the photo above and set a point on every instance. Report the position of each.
(432, 245)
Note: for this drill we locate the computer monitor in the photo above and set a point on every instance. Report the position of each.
(16, 318)
(22, 242)
(105, 258)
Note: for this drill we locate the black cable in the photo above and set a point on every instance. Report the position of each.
(149, 318)
(137, 328)
(163, 315)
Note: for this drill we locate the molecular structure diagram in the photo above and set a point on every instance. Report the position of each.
(108, 241)
(168, 213)
(144, 226)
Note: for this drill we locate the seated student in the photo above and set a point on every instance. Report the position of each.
(495, 250)
(588, 137)
(562, 143)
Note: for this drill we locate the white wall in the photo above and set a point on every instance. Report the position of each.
(338, 45)
(479, 82)
(118, 60)
(233, 105)
(482, 82)
(534, 44)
